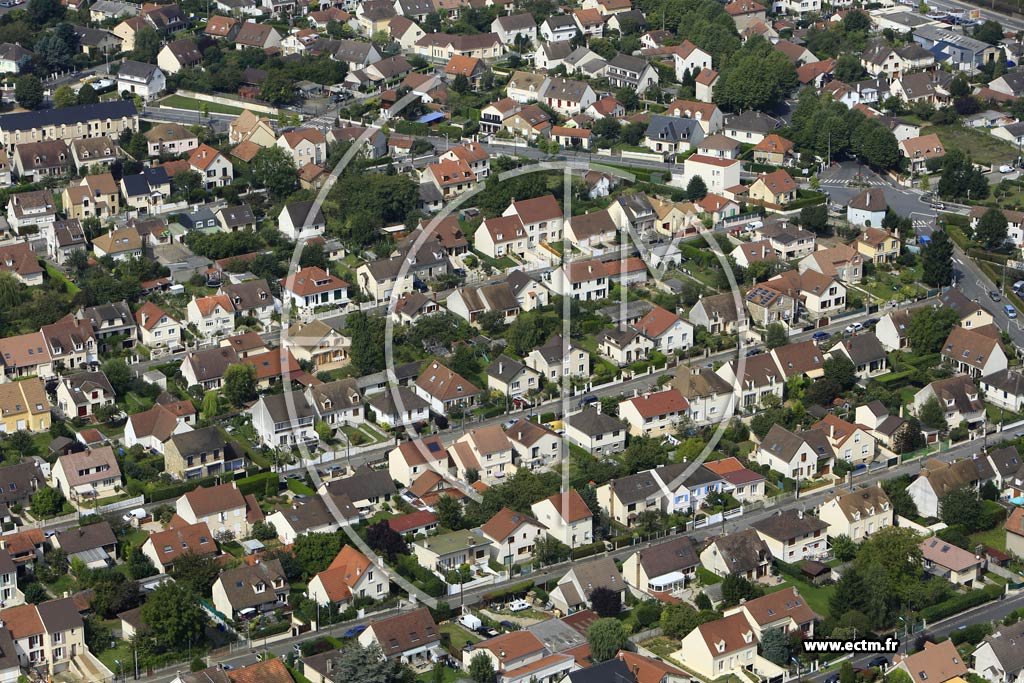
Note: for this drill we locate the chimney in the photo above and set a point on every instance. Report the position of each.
(501, 367)
(800, 513)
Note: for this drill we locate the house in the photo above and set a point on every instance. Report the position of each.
(974, 352)
(709, 397)
(487, 451)
(445, 389)
(319, 344)
(972, 315)
(283, 419)
(792, 535)
(198, 453)
(170, 138)
(654, 414)
(807, 455)
(304, 516)
(87, 475)
(559, 357)
(785, 609)
(337, 402)
(23, 405)
(741, 483)
(146, 192)
(251, 589)
(20, 260)
(572, 592)
(672, 135)
(141, 80)
(891, 330)
(706, 81)
(13, 58)
(996, 658)
(938, 478)
(179, 538)
(1004, 389)
(951, 562)
(626, 71)
(251, 298)
(35, 207)
(559, 27)
(821, 295)
(451, 550)
(177, 55)
(867, 354)
(774, 150)
(212, 316)
(566, 517)
(511, 378)
(62, 239)
(450, 177)
(515, 28)
(512, 536)
(624, 346)
(247, 126)
(878, 246)
(472, 301)
(719, 314)
(666, 330)
(857, 514)
(761, 378)
(920, 149)
(710, 118)
(259, 36)
(47, 636)
(94, 544)
(350, 575)
(156, 327)
(400, 407)
(119, 244)
(410, 459)
(662, 568)
(936, 663)
(213, 167)
(776, 188)
(768, 305)
(853, 443)
(305, 145)
(721, 647)
(222, 508)
(867, 208)
(749, 127)
(411, 637)
(91, 153)
(69, 123)
(568, 97)
(80, 394)
(959, 398)
(154, 427)
(311, 287)
(742, 552)
(596, 432)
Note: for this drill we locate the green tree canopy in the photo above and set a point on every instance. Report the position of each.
(606, 637)
(929, 327)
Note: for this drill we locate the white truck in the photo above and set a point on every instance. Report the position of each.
(470, 621)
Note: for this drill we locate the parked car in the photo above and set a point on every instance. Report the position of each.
(518, 605)
(1011, 312)
(1006, 168)
(354, 631)
(854, 327)
(870, 322)
(508, 625)
(879, 661)
(821, 336)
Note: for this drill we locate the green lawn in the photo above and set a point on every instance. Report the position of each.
(182, 102)
(707, 577)
(136, 403)
(299, 487)
(457, 637)
(997, 414)
(816, 596)
(123, 653)
(983, 148)
(994, 538)
(448, 675)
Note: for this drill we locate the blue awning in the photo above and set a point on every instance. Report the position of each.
(431, 117)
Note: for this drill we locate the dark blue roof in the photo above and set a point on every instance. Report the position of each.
(135, 185)
(68, 116)
(156, 175)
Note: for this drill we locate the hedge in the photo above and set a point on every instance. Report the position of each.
(257, 483)
(177, 489)
(587, 550)
(497, 596)
(959, 603)
(893, 377)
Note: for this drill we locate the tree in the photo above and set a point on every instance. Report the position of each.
(696, 189)
(736, 588)
(316, 551)
(239, 384)
(147, 45)
(962, 507)
(196, 572)
(386, 541)
(368, 665)
(644, 453)
(35, 593)
(929, 327)
(460, 84)
(815, 218)
(87, 95)
(846, 673)
(22, 443)
(174, 617)
(549, 550)
(449, 512)
(960, 178)
(278, 89)
(848, 68)
(902, 504)
(844, 548)
(118, 374)
(480, 669)
(607, 637)
(606, 602)
(42, 12)
(775, 646)
(211, 404)
(990, 32)
(190, 181)
(897, 676)
(47, 502)
(758, 77)
(274, 169)
(198, 664)
(932, 415)
(775, 335)
(28, 92)
(263, 530)
(937, 260)
(991, 230)
(64, 96)
(678, 619)
(139, 566)
(367, 350)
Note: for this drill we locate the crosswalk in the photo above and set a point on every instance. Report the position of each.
(873, 182)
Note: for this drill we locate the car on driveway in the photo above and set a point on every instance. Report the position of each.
(1006, 168)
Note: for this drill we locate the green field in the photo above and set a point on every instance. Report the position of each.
(182, 102)
(982, 147)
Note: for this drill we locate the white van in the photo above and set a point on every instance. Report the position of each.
(470, 621)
